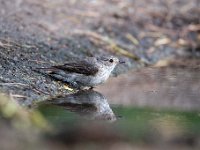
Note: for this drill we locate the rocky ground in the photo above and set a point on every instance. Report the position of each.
(43, 33)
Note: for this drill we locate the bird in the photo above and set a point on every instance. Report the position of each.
(87, 103)
(88, 72)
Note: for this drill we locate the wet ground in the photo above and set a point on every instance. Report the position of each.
(152, 103)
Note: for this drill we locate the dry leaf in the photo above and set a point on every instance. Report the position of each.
(162, 63)
(67, 88)
(162, 41)
(182, 42)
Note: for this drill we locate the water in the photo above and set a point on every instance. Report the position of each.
(149, 107)
(167, 87)
(87, 114)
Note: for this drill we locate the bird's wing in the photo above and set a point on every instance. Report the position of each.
(81, 67)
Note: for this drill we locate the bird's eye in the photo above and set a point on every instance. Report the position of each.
(111, 60)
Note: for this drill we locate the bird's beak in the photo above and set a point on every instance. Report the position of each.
(122, 62)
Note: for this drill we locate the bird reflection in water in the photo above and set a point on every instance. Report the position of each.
(89, 104)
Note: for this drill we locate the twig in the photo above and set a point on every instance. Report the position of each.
(13, 84)
(18, 96)
(39, 91)
(38, 61)
(14, 44)
(4, 45)
(131, 38)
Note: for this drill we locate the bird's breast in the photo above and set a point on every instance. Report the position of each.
(101, 77)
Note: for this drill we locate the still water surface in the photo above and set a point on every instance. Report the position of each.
(88, 113)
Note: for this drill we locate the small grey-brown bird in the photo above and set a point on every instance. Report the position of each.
(88, 72)
(88, 103)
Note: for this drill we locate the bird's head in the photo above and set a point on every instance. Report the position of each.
(109, 61)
